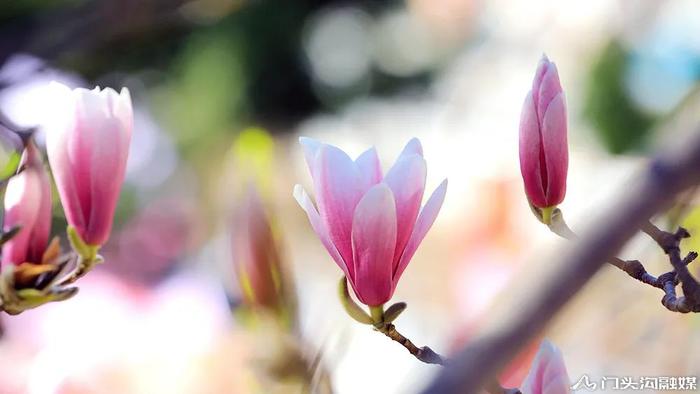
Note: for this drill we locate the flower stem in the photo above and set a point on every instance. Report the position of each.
(377, 313)
(424, 354)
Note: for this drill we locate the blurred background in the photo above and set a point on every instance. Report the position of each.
(222, 89)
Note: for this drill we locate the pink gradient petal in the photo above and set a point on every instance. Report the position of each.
(407, 181)
(413, 147)
(22, 204)
(373, 241)
(549, 88)
(556, 151)
(425, 220)
(88, 151)
(369, 167)
(319, 228)
(310, 147)
(42, 227)
(542, 67)
(91, 114)
(339, 187)
(548, 373)
(59, 139)
(109, 158)
(530, 146)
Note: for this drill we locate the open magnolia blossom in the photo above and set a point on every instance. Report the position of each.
(544, 155)
(370, 223)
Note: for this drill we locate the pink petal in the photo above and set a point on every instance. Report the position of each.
(413, 147)
(556, 151)
(373, 241)
(407, 181)
(22, 203)
(61, 153)
(339, 187)
(425, 221)
(310, 147)
(548, 373)
(549, 88)
(91, 114)
(42, 227)
(542, 67)
(369, 167)
(530, 148)
(320, 228)
(112, 135)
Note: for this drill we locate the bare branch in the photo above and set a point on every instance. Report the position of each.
(666, 177)
(424, 354)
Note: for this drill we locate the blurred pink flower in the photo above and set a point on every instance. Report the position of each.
(132, 339)
(88, 144)
(28, 205)
(256, 257)
(369, 223)
(544, 156)
(548, 373)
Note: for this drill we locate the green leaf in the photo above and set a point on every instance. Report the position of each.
(86, 251)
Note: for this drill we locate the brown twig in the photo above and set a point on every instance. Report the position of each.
(667, 176)
(669, 243)
(424, 354)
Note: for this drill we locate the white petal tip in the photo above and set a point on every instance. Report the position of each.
(298, 192)
(413, 146)
(125, 93)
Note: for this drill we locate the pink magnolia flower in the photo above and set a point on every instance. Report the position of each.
(87, 148)
(544, 155)
(28, 205)
(369, 222)
(548, 373)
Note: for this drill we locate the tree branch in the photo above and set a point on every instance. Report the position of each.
(424, 354)
(666, 177)
(669, 243)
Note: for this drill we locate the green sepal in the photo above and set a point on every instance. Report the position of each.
(86, 251)
(351, 308)
(16, 301)
(394, 311)
(544, 215)
(377, 313)
(547, 214)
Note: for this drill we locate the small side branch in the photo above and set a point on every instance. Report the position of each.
(667, 176)
(670, 244)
